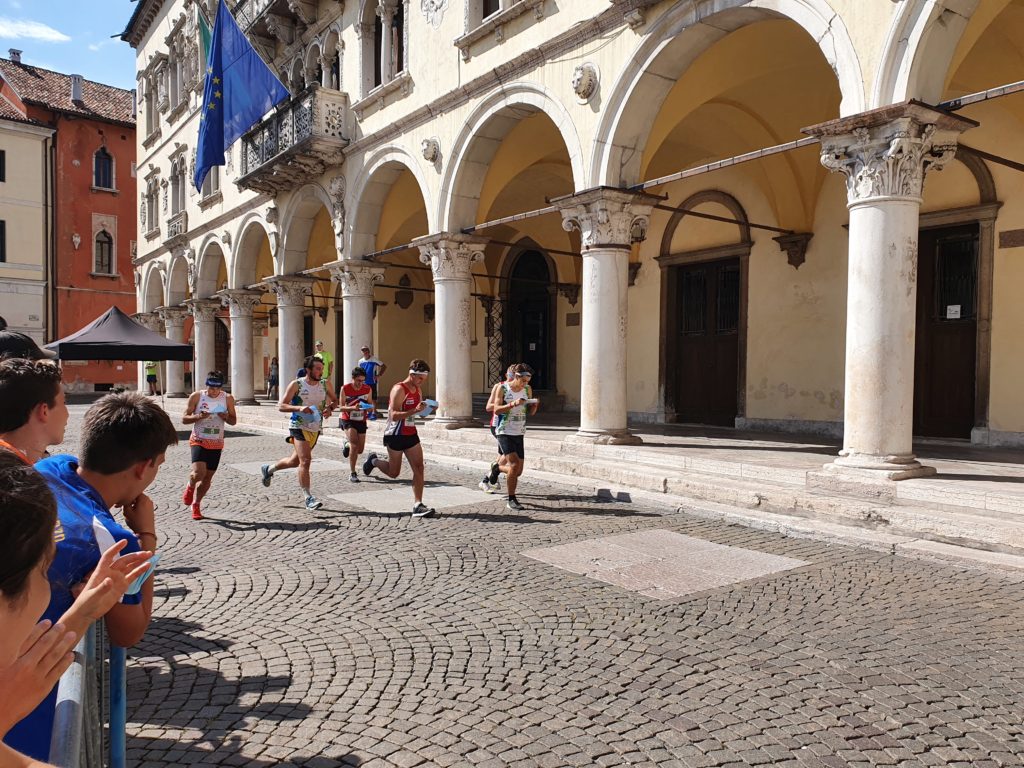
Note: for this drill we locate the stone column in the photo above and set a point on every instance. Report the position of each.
(174, 330)
(325, 72)
(259, 326)
(451, 256)
(151, 321)
(291, 303)
(386, 12)
(884, 155)
(241, 303)
(204, 315)
(609, 221)
(357, 279)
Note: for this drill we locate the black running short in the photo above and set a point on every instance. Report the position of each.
(358, 426)
(401, 442)
(509, 444)
(208, 456)
(303, 436)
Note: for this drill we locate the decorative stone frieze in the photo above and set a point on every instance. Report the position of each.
(433, 11)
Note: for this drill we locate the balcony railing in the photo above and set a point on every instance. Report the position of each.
(299, 141)
(248, 12)
(177, 226)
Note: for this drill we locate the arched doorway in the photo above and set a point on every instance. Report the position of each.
(221, 350)
(529, 315)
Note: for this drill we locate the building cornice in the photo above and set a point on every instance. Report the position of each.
(141, 20)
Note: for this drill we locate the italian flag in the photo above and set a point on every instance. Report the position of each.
(204, 39)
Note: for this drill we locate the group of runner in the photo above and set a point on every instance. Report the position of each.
(309, 400)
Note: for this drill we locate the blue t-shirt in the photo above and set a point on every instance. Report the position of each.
(370, 368)
(76, 555)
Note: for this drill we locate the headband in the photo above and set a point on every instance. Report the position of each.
(419, 373)
(212, 382)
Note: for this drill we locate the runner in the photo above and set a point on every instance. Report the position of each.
(495, 486)
(509, 402)
(400, 436)
(207, 411)
(353, 417)
(309, 400)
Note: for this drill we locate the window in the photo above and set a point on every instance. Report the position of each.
(489, 7)
(151, 215)
(103, 169)
(3, 165)
(3, 241)
(211, 184)
(104, 257)
(384, 44)
(150, 101)
(178, 186)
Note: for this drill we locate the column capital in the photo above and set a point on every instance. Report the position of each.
(607, 217)
(173, 317)
(259, 325)
(291, 291)
(240, 301)
(149, 320)
(357, 276)
(450, 255)
(885, 153)
(203, 309)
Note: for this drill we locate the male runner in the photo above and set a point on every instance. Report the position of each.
(352, 399)
(208, 410)
(309, 400)
(509, 403)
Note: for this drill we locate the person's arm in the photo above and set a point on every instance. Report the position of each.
(492, 401)
(127, 623)
(381, 367)
(11, 759)
(105, 586)
(397, 396)
(230, 417)
(284, 404)
(44, 656)
(191, 417)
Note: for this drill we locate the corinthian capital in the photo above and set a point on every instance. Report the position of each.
(172, 317)
(886, 153)
(607, 217)
(291, 291)
(450, 255)
(356, 277)
(240, 302)
(203, 309)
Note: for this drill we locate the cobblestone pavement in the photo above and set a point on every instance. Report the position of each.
(344, 637)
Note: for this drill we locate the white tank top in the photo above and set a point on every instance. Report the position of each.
(512, 422)
(309, 394)
(209, 432)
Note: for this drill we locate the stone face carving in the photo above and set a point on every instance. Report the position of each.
(887, 161)
(433, 11)
(305, 10)
(585, 80)
(451, 259)
(431, 149)
(280, 27)
(607, 217)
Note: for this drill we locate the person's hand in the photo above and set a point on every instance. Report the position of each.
(44, 656)
(307, 409)
(140, 514)
(108, 581)
(420, 407)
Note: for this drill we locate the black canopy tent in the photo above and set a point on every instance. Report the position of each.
(115, 336)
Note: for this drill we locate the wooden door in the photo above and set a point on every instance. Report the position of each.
(707, 342)
(947, 332)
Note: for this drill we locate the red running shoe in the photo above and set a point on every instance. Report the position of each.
(196, 514)
(188, 495)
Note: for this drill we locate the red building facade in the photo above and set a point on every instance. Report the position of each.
(93, 192)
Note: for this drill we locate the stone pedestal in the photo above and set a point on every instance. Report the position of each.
(240, 304)
(204, 317)
(451, 256)
(357, 279)
(884, 155)
(291, 295)
(609, 221)
(174, 329)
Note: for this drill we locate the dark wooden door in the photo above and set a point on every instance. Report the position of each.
(707, 342)
(947, 332)
(528, 318)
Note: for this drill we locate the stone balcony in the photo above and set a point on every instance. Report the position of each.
(301, 140)
(177, 229)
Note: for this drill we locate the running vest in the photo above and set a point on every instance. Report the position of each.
(209, 432)
(351, 395)
(401, 426)
(309, 394)
(511, 422)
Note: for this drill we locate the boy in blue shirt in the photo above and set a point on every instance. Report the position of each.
(124, 439)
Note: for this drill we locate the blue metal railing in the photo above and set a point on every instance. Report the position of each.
(91, 710)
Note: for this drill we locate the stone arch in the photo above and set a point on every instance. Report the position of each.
(311, 63)
(211, 257)
(724, 199)
(153, 289)
(370, 190)
(653, 68)
(331, 49)
(479, 139)
(177, 281)
(247, 240)
(297, 223)
(982, 176)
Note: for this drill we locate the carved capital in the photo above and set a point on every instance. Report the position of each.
(450, 255)
(886, 153)
(259, 325)
(203, 310)
(357, 278)
(150, 320)
(795, 247)
(291, 291)
(607, 217)
(172, 317)
(240, 302)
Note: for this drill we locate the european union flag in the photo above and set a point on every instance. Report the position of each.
(240, 89)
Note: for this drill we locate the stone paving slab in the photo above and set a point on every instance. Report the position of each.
(394, 501)
(318, 465)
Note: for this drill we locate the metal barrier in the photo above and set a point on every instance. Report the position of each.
(89, 723)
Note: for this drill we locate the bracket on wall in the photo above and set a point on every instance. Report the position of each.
(634, 269)
(377, 304)
(571, 292)
(794, 246)
(428, 313)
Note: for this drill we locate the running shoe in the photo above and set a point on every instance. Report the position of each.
(495, 474)
(189, 495)
(313, 503)
(422, 510)
(368, 464)
(353, 478)
(267, 477)
(345, 450)
(485, 485)
(514, 505)
(196, 513)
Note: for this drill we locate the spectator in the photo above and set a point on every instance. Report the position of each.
(374, 368)
(3, 324)
(14, 344)
(124, 439)
(327, 357)
(35, 413)
(273, 378)
(151, 368)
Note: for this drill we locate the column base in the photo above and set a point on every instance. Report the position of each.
(604, 437)
(450, 422)
(868, 466)
(247, 401)
(175, 394)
